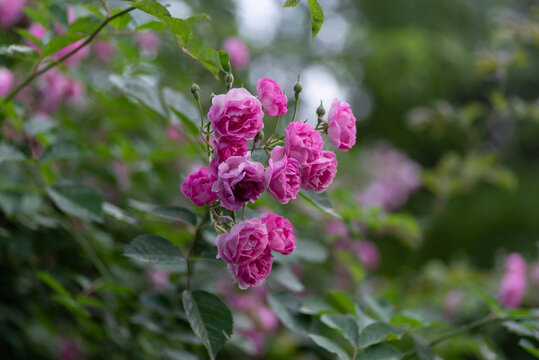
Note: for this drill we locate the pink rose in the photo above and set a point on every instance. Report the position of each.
(302, 142)
(336, 227)
(6, 81)
(226, 147)
(239, 181)
(10, 12)
(74, 60)
(254, 272)
(271, 96)
(282, 176)
(236, 114)
(513, 284)
(105, 51)
(280, 233)
(38, 31)
(341, 125)
(54, 88)
(148, 42)
(75, 91)
(319, 174)
(244, 243)
(198, 187)
(238, 52)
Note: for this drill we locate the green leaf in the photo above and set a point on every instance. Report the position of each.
(286, 306)
(52, 283)
(381, 352)
(39, 125)
(151, 7)
(382, 308)
(321, 201)
(154, 249)
(422, 349)
(190, 126)
(121, 21)
(10, 153)
(175, 213)
(179, 27)
(62, 150)
(317, 16)
(291, 3)
(84, 25)
(374, 333)
(225, 61)
(346, 324)
(315, 305)
(310, 250)
(209, 318)
(153, 26)
(529, 347)
(77, 200)
(60, 42)
(287, 278)
(343, 301)
(209, 58)
(330, 346)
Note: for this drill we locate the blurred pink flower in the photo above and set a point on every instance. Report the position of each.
(38, 31)
(368, 253)
(75, 91)
(160, 279)
(74, 60)
(336, 228)
(393, 177)
(534, 274)
(105, 50)
(6, 81)
(237, 51)
(70, 350)
(53, 89)
(148, 42)
(513, 284)
(173, 132)
(452, 303)
(10, 12)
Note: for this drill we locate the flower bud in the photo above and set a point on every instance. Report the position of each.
(195, 90)
(258, 138)
(320, 111)
(212, 96)
(229, 80)
(297, 88)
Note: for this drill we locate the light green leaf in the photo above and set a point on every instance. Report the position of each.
(154, 249)
(346, 324)
(39, 125)
(175, 213)
(151, 7)
(321, 201)
(121, 21)
(330, 346)
(381, 352)
(152, 25)
(317, 16)
(291, 3)
(77, 200)
(422, 349)
(225, 61)
(190, 126)
(287, 278)
(286, 307)
(178, 27)
(529, 347)
(374, 333)
(62, 150)
(53, 283)
(209, 318)
(382, 308)
(310, 250)
(315, 305)
(84, 25)
(10, 153)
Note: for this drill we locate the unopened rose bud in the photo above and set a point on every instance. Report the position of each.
(229, 80)
(320, 111)
(297, 88)
(195, 90)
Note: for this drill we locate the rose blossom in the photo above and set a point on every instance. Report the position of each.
(238, 52)
(226, 147)
(244, 243)
(271, 96)
(54, 88)
(336, 228)
(10, 12)
(38, 31)
(254, 272)
(513, 284)
(148, 42)
(280, 233)
(236, 114)
(105, 51)
(239, 181)
(6, 81)
(282, 176)
(341, 125)
(302, 142)
(198, 187)
(319, 174)
(368, 253)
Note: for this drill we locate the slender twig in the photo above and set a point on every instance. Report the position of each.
(106, 6)
(274, 130)
(88, 40)
(295, 109)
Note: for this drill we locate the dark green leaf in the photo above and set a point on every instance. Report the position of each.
(310, 250)
(154, 249)
(314, 305)
(382, 308)
(422, 349)
(526, 344)
(321, 201)
(381, 352)
(77, 200)
(62, 150)
(175, 213)
(287, 278)
(53, 283)
(291, 3)
(209, 318)
(374, 333)
(346, 324)
(330, 346)
(286, 307)
(186, 122)
(84, 25)
(317, 16)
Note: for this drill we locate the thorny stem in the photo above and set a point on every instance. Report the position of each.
(274, 130)
(88, 40)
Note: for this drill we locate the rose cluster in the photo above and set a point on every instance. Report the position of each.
(296, 160)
